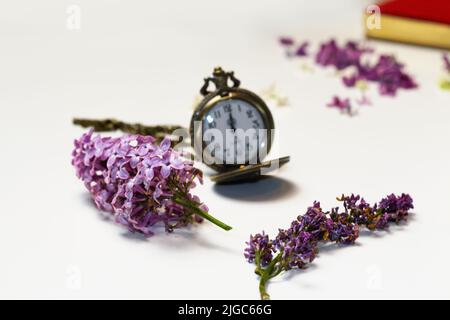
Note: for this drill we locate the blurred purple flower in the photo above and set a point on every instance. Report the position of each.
(341, 104)
(389, 74)
(387, 71)
(286, 41)
(340, 57)
(446, 62)
(293, 49)
(350, 81)
(301, 50)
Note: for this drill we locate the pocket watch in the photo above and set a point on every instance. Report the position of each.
(232, 130)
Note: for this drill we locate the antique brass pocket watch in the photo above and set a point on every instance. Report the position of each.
(232, 130)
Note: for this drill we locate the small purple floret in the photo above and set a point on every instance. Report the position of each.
(302, 49)
(286, 41)
(341, 104)
(261, 245)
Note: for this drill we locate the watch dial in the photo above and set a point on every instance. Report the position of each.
(234, 132)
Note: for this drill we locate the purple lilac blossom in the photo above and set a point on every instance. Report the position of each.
(261, 245)
(387, 72)
(295, 247)
(351, 80)
(292, 48)
(397, 208)
(389, 75)
(330, 54)
(138, 181)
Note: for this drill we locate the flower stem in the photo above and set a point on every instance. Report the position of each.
(266, 275)
(193, 206)
(159, 132)
(262, 287)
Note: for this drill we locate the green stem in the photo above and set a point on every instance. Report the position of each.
(193, 206)
(262, 287)
(266, 275)
(277, 272)
(258, 269)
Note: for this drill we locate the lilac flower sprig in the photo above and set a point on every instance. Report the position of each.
(141, 183)
(297, 246)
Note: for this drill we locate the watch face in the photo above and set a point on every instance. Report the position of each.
(234, 133)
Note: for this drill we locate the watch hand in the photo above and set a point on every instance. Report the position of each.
(232, 121)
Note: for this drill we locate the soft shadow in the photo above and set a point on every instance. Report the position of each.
(331, 248)
(134, 236)
(179, 239)
(87, 199)
(290, 275)
(268, 188)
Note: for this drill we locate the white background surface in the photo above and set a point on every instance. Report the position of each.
(144, 61)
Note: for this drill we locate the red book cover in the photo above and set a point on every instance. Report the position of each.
(421, 22)
(430, 10)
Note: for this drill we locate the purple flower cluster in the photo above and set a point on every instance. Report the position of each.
(260, 249)
(330, 54)
(396, 208)
(139, 182)
(297, 246)
(387, 71)
(390, 209)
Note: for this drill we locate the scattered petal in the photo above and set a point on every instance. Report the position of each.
(286, 41)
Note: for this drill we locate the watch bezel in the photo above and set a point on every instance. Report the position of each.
(222, 95)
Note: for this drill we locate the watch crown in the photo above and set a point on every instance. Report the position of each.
(220, 80)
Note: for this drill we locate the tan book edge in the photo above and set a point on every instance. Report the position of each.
(411, 31)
